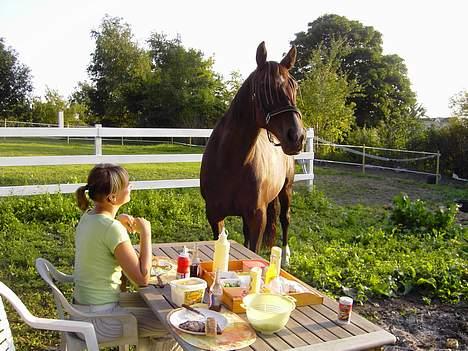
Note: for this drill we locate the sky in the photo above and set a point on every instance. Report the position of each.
(52, 37)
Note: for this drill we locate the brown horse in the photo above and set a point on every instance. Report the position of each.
(244, 172)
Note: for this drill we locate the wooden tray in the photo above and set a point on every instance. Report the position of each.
(232, 297)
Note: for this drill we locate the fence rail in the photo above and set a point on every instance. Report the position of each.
(98, 133)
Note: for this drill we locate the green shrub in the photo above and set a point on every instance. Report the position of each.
(413, 217)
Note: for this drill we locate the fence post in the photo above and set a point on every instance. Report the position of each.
(4, 138)
(68, 136)
(437, 167)
(98, 141)
(309, 164)
(122, 143)
(363, 159)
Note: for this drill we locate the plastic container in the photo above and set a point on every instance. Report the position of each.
(187, 291)
(183, 264)
(345, 306)
(268, 313)
(221, 253)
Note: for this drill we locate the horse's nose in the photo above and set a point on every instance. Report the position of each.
(294, 134)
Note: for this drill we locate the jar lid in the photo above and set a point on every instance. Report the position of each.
(345, 300)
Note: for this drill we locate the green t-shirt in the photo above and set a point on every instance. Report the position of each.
(97, 273)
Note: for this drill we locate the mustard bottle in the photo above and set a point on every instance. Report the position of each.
(274, 269)
(221, 252)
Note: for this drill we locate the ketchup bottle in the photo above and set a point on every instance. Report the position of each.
(183, 264)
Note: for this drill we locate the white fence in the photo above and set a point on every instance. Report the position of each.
(98, 133)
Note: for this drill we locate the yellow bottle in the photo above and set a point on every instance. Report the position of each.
(221, 252)
(274, 268)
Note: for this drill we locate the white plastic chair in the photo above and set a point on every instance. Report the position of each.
(129, 323)
(6, 338)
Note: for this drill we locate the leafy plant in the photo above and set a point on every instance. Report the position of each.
(414, 217)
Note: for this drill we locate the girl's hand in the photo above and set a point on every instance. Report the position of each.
(127, 221)
(142, 225)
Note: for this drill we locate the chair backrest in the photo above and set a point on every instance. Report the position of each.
(50, 274)
(6, 339)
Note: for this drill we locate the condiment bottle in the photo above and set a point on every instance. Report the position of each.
(255, 280)
(221, 252)
(274, 269)
(195, 266)
(183, 264)
(345, 306)
(216, 293)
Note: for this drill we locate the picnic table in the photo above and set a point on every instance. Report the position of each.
(310, 327)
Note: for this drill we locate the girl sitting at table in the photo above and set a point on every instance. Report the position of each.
(103, 250)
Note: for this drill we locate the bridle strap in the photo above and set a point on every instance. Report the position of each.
(288, 108)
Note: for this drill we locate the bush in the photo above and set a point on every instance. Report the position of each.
(413, 217)
(451, 141)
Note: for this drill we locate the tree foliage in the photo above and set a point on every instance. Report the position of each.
(459, 104)
(165, 85)
(15, 84)
(325, 95)
(118, 70)
(386, 91)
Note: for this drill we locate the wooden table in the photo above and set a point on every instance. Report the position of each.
(310, 327)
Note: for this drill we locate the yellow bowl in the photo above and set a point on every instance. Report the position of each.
(268, 313)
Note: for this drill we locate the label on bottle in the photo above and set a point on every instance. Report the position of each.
(182, 275)
(215, 302)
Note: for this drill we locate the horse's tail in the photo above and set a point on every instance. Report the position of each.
(269, 236)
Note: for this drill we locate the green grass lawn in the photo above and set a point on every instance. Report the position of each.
(341, 239)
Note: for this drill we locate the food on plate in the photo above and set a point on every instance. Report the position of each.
(196, 326)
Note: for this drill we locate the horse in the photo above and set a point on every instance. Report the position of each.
(247, 167)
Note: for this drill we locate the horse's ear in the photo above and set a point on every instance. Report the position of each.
(290, 59)
(261, 54)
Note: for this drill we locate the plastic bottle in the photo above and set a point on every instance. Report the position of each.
(221, 252)
(274, 269)
(255, 280)
(195, 266)
(216, 293)
(183, 264)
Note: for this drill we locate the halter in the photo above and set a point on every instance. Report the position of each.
(267, 93)
(287, 108)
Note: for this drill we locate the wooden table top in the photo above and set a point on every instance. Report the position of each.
(310, 327)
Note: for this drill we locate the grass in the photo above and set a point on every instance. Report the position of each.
(341, 238)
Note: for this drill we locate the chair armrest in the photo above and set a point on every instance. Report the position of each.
(85, 328)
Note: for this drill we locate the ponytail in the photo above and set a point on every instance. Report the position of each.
(81, 199)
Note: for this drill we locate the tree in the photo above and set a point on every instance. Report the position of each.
(459, 104)
(46, 110)
(386, 91)
(15, 84)
(184, 91)
(325, 94)
(118, 71)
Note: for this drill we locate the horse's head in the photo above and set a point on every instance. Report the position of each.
(274, 93)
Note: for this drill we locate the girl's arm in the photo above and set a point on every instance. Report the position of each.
(137, 268)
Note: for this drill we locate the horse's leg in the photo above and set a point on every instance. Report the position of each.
(245, 229)
(269, 236)
(216, 223)
(285, 197)
(256, 222)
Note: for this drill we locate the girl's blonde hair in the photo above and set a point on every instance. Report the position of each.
(103, 180)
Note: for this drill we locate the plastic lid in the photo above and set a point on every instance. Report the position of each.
(345, 300)
(184, 252)
(223, 235)
(275, 250)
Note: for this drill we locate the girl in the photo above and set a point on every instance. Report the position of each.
(103, 250)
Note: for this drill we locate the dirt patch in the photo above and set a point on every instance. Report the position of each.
(417, 326)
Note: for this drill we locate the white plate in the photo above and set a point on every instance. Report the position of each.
(183, 315)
